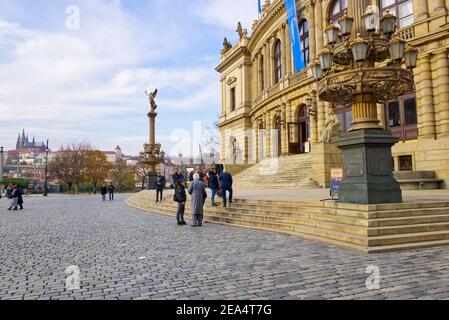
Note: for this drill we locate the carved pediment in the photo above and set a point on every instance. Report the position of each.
(231, 81)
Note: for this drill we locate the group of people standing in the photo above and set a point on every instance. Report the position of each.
(219, 184)
(15, 193)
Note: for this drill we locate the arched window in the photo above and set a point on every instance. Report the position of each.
(403, 9)
(305, 40)
(338, 9)
(277, 62)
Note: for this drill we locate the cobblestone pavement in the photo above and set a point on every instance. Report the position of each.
(108, 241)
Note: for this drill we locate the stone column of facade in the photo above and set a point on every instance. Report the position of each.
(268, 135)
(223, 105)
(321, 107)
(255, 145)
(270, 62)
(356, 9)
(314, 125)
(289, 60)
(441, 85)
(319, 33)
(284, 128)
(266, 61)
(284, 50)
(311, 16)
(437, 5)
(288, 118)
(424, 94)
(420, 8)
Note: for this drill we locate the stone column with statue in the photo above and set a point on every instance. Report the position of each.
(152, 154)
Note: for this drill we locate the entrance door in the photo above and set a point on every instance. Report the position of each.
(299, 132)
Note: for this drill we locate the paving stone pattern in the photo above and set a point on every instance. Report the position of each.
(123, 253)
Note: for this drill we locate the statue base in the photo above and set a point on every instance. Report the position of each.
(152, 176)
(368, 168)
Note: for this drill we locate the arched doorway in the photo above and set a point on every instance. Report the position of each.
(299, 132)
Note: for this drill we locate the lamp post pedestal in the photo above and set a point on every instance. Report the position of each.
(368, 168)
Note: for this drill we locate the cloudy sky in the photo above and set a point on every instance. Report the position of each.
(70, 81)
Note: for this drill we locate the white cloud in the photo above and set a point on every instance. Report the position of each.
(227, 13)
(82, 84)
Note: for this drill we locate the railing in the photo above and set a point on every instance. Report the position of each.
(407, 33)
(298, 77)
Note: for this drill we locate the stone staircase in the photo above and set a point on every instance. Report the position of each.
(288, 171)
(367, 229)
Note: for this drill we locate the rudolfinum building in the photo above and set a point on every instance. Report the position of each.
(271, 111)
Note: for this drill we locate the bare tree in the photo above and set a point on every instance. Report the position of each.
(69, 164)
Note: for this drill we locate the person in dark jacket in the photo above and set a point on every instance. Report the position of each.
(191, 176)
(159, 185)
(226, 186)
(20, 197)
(111, 190)
(180, 197)
(214, 185)
(14, 198)
(177, 178)
(104, 192)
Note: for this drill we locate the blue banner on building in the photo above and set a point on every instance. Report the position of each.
(260, 6)
(293, 26)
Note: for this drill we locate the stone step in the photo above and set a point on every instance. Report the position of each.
(357, 230)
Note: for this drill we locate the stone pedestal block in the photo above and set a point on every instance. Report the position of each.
(368, 168)
(152, 176)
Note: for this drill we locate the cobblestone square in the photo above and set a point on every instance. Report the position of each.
(123, 253)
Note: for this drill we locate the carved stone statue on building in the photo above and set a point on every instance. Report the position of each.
(226, 46)
(331, 128)
(240, 30)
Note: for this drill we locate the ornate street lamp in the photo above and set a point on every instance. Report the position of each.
(346, 24)
(388, 24)
(349, 74)
(316, 70)
(411, 57)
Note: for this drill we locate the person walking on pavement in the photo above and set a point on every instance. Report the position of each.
(180, 197)
(159, 185)
(214, 185)
(20, 197)
(104, 192)
(111, 190)
(197, 191)
(226, 186)
(14, 198)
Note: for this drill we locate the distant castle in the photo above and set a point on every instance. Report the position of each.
(23, 142)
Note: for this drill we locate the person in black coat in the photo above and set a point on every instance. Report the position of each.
(214, 185)
(159, 185)
(104, 192)
(180, 197)
(20, 197)
(14, 198)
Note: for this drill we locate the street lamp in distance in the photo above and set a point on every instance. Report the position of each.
(1, 171)
(46, 172)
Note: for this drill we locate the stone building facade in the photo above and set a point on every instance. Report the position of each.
(262, 96)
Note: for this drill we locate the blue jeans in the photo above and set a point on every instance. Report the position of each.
(225, 200)
(214, 194)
